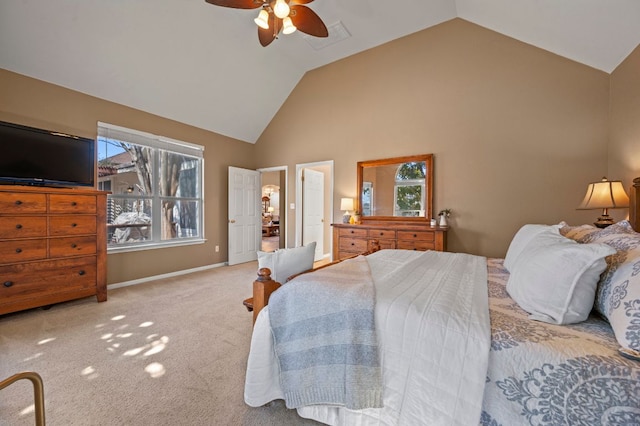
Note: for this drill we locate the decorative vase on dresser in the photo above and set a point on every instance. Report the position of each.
(52, 246)
(389, 234)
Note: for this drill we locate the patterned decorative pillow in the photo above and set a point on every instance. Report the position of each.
(618, 292)
(577, 233)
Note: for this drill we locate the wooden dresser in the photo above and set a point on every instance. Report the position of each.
(52, 246)
(389, 234)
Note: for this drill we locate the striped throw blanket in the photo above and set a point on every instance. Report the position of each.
(325, 340)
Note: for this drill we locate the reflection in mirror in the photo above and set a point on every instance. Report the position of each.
(396, 187)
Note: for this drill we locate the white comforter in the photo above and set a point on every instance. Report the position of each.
(432, 322)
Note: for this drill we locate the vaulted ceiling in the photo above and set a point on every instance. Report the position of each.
(202, 65)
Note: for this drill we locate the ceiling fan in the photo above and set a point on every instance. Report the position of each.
(280, 15)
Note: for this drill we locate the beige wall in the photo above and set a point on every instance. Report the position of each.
(39, 104)
(624, 139)
(516, 132)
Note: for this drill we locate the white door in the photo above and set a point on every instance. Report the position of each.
(313, 210)
(245, 217)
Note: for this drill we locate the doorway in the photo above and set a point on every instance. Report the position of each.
(274, 208)
(326, 168)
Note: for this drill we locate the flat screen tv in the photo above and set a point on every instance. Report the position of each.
(30, 156)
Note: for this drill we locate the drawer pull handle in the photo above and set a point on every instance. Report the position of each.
(381, 234)
(73, 203)
(18, 226)
(74, 245)
(353, 244)
(18, 202)
(415, 236)
(73, 225)
(8, 284)
(81, 272)
(18, 250)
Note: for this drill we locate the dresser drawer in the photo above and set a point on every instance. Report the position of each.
(380, 234)
(416, 236)
(20, 202)
(353, 245)
(386, 244)
(48, 277)
(72, 246)
(59, 203)
(416, 245)
(71, 225)
(22, 250)
(352, 232)
(22, 227)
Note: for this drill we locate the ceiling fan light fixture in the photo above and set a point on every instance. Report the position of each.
(263, 19)
(281, 9)
(287, 26)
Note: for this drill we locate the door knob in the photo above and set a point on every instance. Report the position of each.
(232, 221)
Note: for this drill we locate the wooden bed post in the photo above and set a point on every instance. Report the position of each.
(263, 286)
(634, 204)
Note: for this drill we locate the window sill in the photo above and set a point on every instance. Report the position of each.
(152, 246)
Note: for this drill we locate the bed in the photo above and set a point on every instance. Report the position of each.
(473, 355)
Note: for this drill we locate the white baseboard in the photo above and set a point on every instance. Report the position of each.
(161, 276)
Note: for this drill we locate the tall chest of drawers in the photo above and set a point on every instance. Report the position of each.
(52, 246)
(353, 239)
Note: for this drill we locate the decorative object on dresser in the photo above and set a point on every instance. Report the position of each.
(604, 195)
(52, 246)
(353, 239)
(346, 204)
(444, 215)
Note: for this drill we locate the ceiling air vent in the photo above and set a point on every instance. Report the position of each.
(337, 32)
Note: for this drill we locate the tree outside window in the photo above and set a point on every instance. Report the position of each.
(156, 188)
(410, 189)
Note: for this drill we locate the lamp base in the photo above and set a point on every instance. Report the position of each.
(604, 221)
(346, 218)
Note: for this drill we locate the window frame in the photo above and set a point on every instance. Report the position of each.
(405, 183)
(156, 144)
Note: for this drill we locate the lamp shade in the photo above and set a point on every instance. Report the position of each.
(287, 26)
(346, 204)
(263, 19)
(605, 195)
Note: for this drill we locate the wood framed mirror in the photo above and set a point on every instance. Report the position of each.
(399, 188)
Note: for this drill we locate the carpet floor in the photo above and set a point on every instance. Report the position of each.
(167, 352)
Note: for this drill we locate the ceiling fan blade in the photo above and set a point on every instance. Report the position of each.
(266, 36)
(307, 21)
(237, 4)
(292, 2)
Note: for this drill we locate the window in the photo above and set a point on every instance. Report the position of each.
(156, 188)
(409, 189)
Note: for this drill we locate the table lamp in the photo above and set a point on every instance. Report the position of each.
(346, 204)
(604, 195)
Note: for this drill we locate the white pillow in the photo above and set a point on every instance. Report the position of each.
(284, 263)
(520, 240)
(554, 278)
